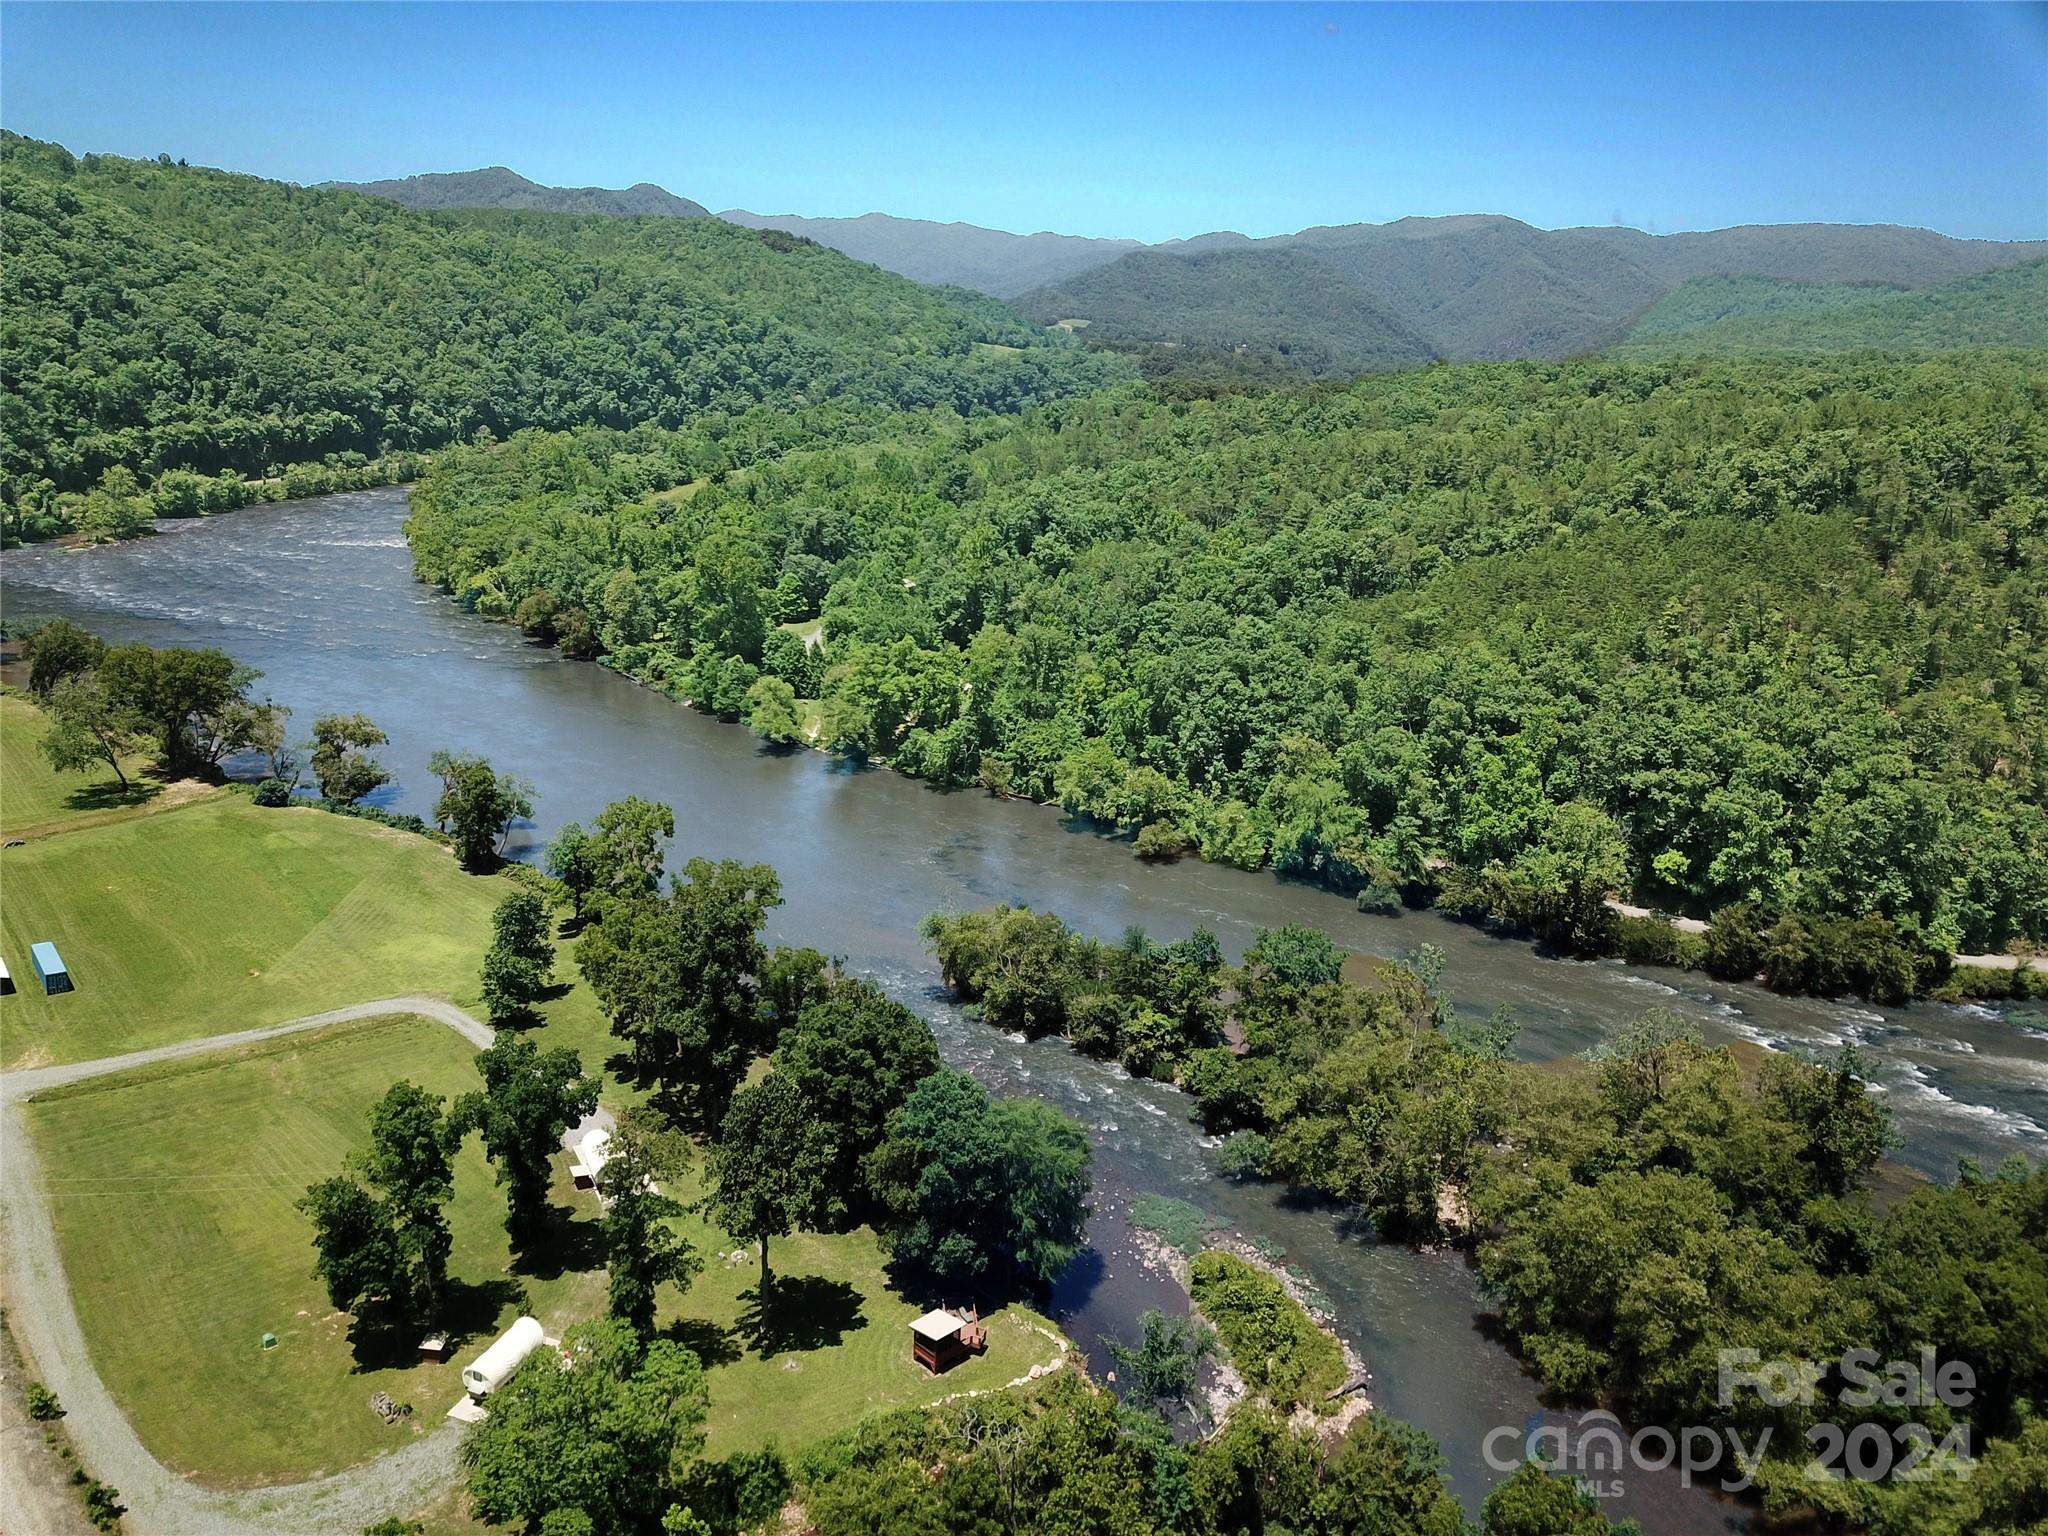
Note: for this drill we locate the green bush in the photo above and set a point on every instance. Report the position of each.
(103, 1505)
(1379, 897)
(1275, 1345)
(42, 1403)
(1647, 941)
(1162, 841)
(1243, 1155)
(273, 793)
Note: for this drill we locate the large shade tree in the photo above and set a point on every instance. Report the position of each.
(601, 1428)
(529, 1098)
(678, 976)
(979, 1192)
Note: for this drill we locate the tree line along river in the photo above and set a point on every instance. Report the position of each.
(319, 596)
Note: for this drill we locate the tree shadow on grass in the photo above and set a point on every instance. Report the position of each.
(107, 796)
(569, 1245)
(380, 1341)
(800, 1312)
(528, 1015)
(708, 1341)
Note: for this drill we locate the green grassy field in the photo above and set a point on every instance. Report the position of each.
(221, 916)
(172, 1187)
(172, 1191)
(35, 799)
(833, 1346)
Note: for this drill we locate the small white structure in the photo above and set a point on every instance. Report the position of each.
(592, 1153)
(485, 1374)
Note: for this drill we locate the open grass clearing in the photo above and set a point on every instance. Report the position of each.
(36, 800)
(223, 916)
(830, 1348)
(172, 1188)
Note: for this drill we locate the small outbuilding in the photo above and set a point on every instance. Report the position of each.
(941, 1339)
(6, 980)
(49, 967)
(592, 1153)
(490, 1370)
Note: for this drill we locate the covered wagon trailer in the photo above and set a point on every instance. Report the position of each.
(494, 1366)
(49, 967)
(591, 1155)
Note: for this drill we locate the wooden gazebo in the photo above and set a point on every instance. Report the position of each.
(942, 1338)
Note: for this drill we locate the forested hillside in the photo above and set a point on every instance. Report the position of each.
(1719, 633)
(1480, 287)
(1284, 305)
(1894, 254)
(496, 186)
(157, 317)
(1708, 316)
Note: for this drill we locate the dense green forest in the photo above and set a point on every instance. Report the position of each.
(158, 317)
(1706, 301)
(1315, 319)
(1634, 1215)
(1734, 316)
(1726, 635)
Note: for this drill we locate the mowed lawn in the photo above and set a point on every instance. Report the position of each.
(173, 1187)
(172, 1190)
(222, 916)
(832, 1348)
(35, 799)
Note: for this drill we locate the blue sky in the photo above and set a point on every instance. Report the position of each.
(1150, 121)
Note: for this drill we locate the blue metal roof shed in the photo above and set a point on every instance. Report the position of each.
(50, 967)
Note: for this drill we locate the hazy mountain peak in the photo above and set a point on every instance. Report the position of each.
(498, 186)
(964, 255)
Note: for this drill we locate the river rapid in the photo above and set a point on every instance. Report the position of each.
(319, 596)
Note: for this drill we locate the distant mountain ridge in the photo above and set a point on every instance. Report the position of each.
(1311, 319)
(495, 186)
(1331, 299)
(962, 255)
(1486, 286)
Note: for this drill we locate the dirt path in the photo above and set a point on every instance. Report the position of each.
(160, 1503)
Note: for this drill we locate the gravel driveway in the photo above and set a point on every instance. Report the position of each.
(160, 1503)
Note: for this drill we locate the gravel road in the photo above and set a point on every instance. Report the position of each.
(160, 1503)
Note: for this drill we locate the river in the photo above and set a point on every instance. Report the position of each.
(319, 596)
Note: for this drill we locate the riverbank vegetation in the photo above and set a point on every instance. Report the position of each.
(1634, 1215)
(1275, 1345)
(1070, 1460)
(1715, 635)
(172, 324)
